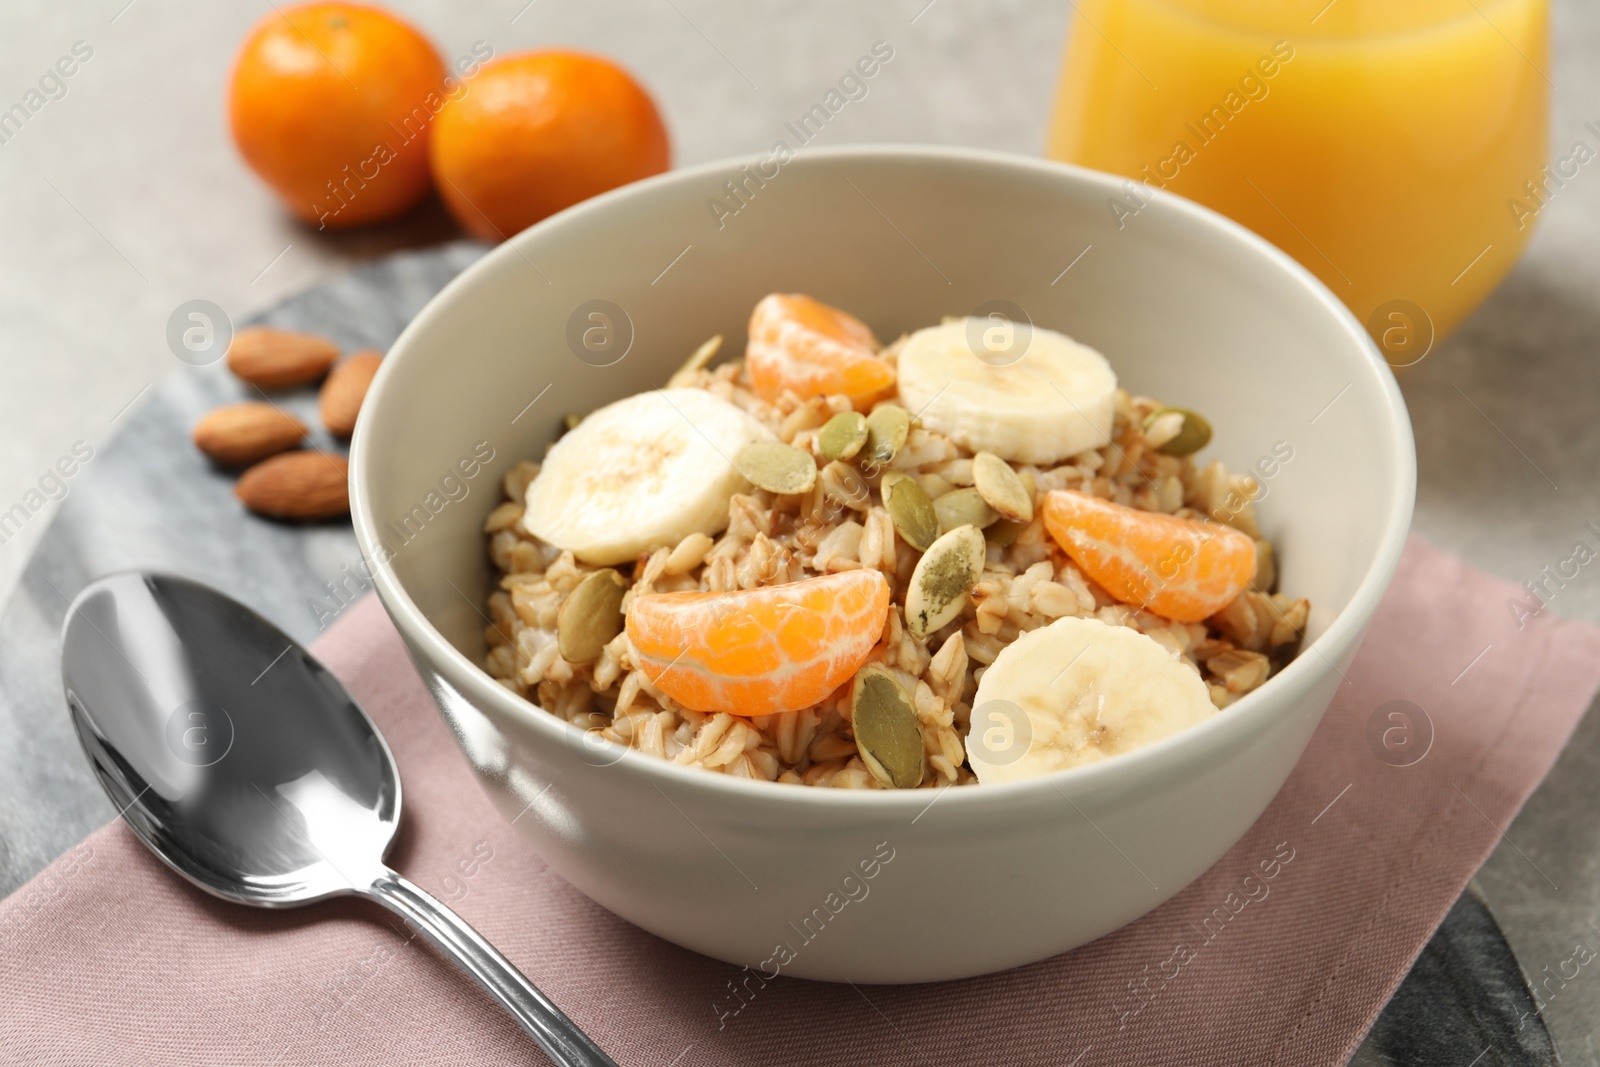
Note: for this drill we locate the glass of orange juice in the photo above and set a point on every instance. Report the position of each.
(1396, 148)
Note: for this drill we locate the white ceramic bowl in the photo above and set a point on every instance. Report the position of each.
(1186, 305)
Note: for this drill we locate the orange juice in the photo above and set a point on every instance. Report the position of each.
(1394, 147)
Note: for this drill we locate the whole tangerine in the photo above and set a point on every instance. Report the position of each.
(540, 131)
(333, 105)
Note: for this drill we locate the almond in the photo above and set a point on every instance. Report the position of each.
(297, 485)
(241, 434)
(344, 391)
(276, 359)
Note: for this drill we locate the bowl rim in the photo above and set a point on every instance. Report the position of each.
(477, 687)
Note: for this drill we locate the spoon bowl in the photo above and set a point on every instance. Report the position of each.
(230, 750)
(245, 766)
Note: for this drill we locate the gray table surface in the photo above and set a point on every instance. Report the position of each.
(126, 200)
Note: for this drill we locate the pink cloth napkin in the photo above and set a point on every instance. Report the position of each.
(1282, 953)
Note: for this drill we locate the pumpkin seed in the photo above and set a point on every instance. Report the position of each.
(887, 428)
(777, 467)
(703, 355)
(1001, 487)
(1003, 534)
(843, 435)
(943, 578)
(964, 507)
(888, 736)
(1194, 434)
(908, 505)
(590, 616)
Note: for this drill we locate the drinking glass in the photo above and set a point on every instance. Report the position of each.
(1396, 148)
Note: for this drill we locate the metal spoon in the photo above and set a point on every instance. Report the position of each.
(246, 767)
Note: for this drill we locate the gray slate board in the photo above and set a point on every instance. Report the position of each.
(150, 500)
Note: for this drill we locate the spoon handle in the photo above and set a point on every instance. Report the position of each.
(558, 1035)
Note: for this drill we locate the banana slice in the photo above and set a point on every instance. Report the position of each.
(1027, 394)
(1074, 692)
(641, 473)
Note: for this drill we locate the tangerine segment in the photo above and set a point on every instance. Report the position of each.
(759, 651)
(1183, 569)
(804, 345)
